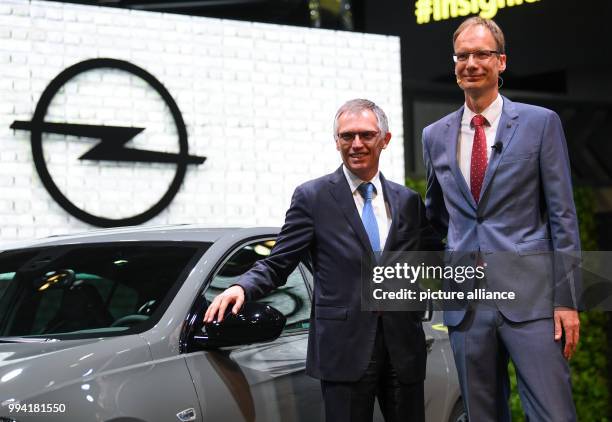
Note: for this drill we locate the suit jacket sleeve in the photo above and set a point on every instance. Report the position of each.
(436, 210)
(558, 193)
(293, 242)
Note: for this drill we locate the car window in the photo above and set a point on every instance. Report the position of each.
(292, 299)
(89, 290)
(5, 279)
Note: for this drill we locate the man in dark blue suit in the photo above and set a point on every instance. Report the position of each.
(499, 184)
(341, 219)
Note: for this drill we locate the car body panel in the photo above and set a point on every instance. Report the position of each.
(266, 381)
(100, 379)
(30, 369)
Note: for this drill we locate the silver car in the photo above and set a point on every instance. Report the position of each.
(106, 326)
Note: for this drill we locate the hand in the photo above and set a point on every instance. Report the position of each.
(567, 319)
(232, 295)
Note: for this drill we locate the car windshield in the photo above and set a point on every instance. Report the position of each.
(80, 291)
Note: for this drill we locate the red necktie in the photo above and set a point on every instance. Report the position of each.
(478, 165)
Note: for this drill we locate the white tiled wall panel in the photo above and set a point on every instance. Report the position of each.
(257, 99)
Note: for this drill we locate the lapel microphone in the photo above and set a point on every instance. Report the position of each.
(497, 146)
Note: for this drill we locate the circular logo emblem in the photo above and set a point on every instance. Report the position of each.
(109, 155)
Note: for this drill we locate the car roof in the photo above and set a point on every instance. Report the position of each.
(172, 233)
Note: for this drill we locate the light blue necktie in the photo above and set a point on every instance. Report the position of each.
(367, 215)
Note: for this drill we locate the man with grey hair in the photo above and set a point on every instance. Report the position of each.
(499, 187)
(342, 220)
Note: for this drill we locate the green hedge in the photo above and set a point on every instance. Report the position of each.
(590, 386)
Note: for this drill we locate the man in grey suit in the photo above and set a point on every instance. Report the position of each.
(499, 182)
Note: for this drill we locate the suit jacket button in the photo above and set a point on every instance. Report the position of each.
(479, 220)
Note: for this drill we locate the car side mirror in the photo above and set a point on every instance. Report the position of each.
(254, 323)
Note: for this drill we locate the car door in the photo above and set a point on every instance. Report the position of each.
(265, 381)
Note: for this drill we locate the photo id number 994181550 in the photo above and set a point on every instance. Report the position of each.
(36, 407)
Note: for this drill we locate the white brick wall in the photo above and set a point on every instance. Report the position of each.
(258, 101)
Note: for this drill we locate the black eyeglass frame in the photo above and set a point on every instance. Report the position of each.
(365, 136)
(464, 57)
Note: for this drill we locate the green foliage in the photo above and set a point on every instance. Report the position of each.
(589, 365)
(585, 204)
(515, 400)
(417, 185)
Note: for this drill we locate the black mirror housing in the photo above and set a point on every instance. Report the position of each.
(254, 323)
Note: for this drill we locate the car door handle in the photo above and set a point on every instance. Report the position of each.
(187, 415)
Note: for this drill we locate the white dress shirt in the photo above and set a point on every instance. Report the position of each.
(466, 135)
(381, 209)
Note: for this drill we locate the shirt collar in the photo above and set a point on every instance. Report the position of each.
(491, 113)
(355, 181)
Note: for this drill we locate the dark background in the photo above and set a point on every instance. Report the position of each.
(555, 46)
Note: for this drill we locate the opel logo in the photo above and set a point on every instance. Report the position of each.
(109, 142)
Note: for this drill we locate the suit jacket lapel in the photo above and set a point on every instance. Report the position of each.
(340, 190)
(508, 122)
(453, 129)
(390, 198)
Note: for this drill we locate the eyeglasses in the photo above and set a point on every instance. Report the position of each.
(366, 136)
(480, 55)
